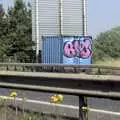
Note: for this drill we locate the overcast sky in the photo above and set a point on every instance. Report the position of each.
(102, 14)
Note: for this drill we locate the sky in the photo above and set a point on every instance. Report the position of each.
(102, 15)
(7, 3)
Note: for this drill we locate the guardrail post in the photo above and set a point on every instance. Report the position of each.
(99, 71)
(83, 112)
(31, 69)
(23, 68)
(15, 68)
(7, 68)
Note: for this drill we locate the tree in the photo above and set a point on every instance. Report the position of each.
(19, 35)
(3, 31)
(107, 44)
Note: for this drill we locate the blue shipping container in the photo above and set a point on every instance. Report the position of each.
(52, 50)
(67, 50)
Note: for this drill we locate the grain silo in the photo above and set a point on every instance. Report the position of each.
(58, 17)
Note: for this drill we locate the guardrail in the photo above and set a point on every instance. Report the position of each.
(34, 76)
(74, 84)
(35, 67)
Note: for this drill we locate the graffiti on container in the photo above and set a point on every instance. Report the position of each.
(77, 48)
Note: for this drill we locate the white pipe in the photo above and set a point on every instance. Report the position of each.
(61, 16)
(84, 17)
(37, 31)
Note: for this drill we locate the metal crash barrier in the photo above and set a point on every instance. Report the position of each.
(60, 68)
(82, 85)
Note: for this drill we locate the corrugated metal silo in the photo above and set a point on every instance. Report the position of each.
(58, 17)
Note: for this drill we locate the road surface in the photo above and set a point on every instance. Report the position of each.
(103, 104)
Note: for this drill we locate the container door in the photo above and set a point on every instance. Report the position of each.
(77, 50)
(86, 50)
(52, 50)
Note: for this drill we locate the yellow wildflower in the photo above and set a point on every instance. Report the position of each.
(13, 94)
(61, 97)
(56, 98)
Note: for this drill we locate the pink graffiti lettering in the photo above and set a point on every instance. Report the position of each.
(85, 50)
(69, 50)
(77, 48)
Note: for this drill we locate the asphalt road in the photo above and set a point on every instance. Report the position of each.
(103, 104)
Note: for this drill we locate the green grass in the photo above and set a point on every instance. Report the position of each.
(13, 112)
(109, 62)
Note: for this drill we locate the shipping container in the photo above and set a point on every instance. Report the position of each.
(67, 50)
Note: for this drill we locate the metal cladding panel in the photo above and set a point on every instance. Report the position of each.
(49, 17)
(77, 50)
(71, 21)
(52, 50)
